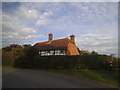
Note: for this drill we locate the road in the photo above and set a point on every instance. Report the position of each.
(26, 78)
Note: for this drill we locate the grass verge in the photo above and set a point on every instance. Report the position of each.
(7, 67)
(105, 76)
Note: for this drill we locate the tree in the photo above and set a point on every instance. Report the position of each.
(10, 47)
(26, 45)
(16, 54)
(21, 57)
(94, 53)
(84, 52)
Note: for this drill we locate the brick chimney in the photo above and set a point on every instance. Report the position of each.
(50, 36)
(72, 38)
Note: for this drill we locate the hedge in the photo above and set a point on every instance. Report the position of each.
(62, 62)
(72, 62)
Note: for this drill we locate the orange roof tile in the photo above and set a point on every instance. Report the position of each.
(59, 44)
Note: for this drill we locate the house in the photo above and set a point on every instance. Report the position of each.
(64, 46)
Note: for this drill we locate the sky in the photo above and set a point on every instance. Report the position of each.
(95, 24)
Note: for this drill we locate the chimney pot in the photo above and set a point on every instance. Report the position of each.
(72, 38)
(50, 36)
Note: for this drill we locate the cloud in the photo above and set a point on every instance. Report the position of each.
(98, 42)
(12, 25)
(96, 13)
(34, 36)
(14, 30)
(43, 18)
(26, 14)
(26, 31)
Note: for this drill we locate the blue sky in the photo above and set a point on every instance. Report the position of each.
(94, 24)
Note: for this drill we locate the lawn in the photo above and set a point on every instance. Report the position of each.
(106, 76)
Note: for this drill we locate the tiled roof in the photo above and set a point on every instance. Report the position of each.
(60, 44)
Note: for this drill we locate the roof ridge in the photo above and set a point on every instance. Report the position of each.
(54, 40)
(60, 39)
(48, 42)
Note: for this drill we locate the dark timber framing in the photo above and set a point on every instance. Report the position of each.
(52, 52)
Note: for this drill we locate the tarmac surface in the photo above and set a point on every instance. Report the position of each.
(26, 78)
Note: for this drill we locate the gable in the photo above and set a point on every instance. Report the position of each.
(72, 49)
